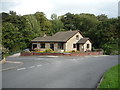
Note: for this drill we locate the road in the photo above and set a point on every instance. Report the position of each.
(57, 72)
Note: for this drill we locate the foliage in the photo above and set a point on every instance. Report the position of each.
(48, 51)
(44, 23)
(36, 49)
(73, 51)
(10, 36)
(39, 51)
(102, 17)
(5, 50)
(110, 79)
(57, 25)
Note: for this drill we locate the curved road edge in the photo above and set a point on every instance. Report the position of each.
(12, 67)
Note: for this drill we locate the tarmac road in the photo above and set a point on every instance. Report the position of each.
(57, 72)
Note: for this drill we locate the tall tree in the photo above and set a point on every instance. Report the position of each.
(11, 37)
(57, 25)
(68, 21)
(85, 22)
(45, 24)
(31, 29)
(102, 17)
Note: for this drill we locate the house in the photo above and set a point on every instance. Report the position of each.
(63, 41)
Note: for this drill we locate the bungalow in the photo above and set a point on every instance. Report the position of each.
(63, 41)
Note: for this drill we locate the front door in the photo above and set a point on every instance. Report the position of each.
(34, 46)
(52, 46)
(78, 47)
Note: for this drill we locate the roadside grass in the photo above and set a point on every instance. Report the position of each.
(110, 79)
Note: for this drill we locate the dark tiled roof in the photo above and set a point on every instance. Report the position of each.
(83, 40)
(46, 38)
(58, 37)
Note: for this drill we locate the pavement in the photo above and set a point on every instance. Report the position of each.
(7, 64)
(57, 72)
(15, 55)
(10, 65)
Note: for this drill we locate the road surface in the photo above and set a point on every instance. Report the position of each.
(57, 72)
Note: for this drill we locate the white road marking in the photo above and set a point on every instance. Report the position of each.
(39, 65)
(32, 67)
(21, 68)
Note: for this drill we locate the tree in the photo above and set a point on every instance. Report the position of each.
(10, 36)
(54, 16)
(4, 16)
(57, 25)
(12, 13)
(30, 30)
(102, 17)
(85, 22)
(105, 36)
(68, 21)
(45, 24)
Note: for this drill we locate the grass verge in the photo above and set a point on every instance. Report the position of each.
(110, 79)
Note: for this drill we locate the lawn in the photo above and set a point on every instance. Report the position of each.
(110, 79)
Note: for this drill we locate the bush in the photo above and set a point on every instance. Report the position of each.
(39, 51)
(36, 49)
(48, 50)
(72, 51)
(75, 51)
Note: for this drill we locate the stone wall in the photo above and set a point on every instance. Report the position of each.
(26, 54)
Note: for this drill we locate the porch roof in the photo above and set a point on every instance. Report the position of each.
(83, 40)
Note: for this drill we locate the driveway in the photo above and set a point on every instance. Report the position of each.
(57, 72)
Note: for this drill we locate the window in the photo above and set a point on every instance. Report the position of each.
(52, 46)
(77, 37)
(74, 45)
(60, 45)
(87, 45)
(42, 45)
(34, 46)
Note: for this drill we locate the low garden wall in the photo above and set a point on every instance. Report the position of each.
(62, 54)
(26, 54)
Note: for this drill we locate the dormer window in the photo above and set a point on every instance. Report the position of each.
(77, 37)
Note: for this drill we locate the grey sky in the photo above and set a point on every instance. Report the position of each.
(119, 8)
(60, 7)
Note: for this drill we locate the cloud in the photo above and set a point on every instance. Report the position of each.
(119, 8)
(31, 6)
(7, 5)
(108, 7)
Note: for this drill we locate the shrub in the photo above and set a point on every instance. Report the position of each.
(72, 51)
(48, 50)
(39, 51)
(36, 49)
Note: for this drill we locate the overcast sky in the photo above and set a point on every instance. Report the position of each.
(60, 7)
